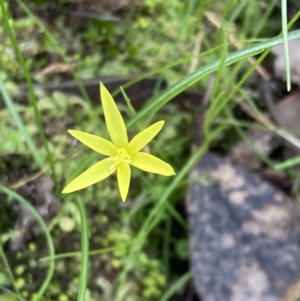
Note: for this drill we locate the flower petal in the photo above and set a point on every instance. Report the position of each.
(94, 174)
(144, 137)
(96, 143)
(124, 174)
(113, 119)
(151, 163)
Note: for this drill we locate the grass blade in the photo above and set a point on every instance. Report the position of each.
(285, 43)
(159, 101)
(38, 295)
(32, 97)
(18, 121)
(84, 251)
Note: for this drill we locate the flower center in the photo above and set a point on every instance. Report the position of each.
(122, 156)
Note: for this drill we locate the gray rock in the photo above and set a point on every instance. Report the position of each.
(244, 234)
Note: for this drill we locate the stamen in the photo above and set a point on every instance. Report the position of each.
(122, 156)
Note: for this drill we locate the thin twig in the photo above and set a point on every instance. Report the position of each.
(196, 51)
(292, 141)
(200, 114)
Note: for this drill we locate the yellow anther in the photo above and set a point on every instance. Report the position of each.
(122, 156)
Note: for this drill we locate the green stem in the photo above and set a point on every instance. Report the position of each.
(32, 97)
(44, 227)
(176, 286)
(156, 213)
(84, 250)
(9, 272)
(21, 127)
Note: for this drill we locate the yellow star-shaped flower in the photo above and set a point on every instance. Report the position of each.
(121, 153)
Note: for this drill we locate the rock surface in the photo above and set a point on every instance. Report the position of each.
(244, 234)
